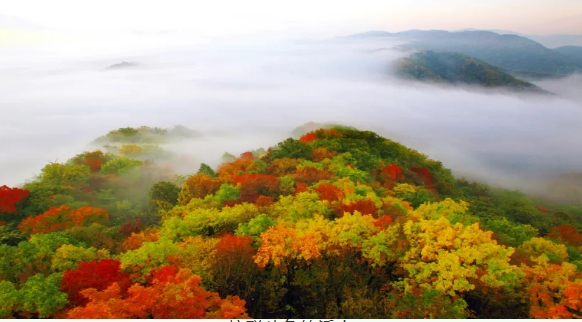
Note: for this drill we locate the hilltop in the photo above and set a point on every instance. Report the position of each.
(457, 68)
(334, 221)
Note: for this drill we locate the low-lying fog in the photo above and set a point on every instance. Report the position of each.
(247, 94)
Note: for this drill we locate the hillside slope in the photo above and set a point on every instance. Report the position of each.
(459, 68)
(574, 52)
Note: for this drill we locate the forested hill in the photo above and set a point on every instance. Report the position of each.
(335, 222)
(459, 68)
(510, 52)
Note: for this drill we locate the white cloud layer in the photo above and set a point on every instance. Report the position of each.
(55, 100)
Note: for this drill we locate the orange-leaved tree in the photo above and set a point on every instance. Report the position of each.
(63, 217)
(198, 186)
(329, 192)
(173, 295)
(554, 289)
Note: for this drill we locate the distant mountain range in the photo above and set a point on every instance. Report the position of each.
(511, 52)
(551, 41)
(457, 68)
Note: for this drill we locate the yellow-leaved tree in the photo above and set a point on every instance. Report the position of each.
(454, 258)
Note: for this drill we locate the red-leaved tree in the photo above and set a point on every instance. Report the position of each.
(97, 275)
(383, 221)
(566, 234)
(9, 197)
(329, 192)
(364, 206)
(172, 296)
(424, 173)
(389, 176)
(63, 217)
(254, 185)
(308, 138)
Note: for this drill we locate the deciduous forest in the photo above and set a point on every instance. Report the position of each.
(338, 223)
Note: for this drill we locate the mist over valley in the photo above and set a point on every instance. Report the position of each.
(251, 93)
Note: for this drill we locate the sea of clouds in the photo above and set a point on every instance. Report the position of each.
(247, 93)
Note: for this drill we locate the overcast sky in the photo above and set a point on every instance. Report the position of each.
(307, 16)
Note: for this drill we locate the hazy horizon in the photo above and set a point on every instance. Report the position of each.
(320, 18)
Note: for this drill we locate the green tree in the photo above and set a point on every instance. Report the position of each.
(164, 194)
(42, 296)
(206, 169)
(10, 298)
(120, 166)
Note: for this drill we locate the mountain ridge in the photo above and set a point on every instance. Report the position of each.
(511, 52)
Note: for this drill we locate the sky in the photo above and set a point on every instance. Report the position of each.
(303, 17)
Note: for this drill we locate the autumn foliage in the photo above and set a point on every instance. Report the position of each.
(63, 217)
(364, 206)
(97, 275)
(554, 290)
(247, 156)
(329, 192)
(9, 197)
(199, 186)
(320, 154)
(383, 221)
(301, 187)
(94, 160)
(283, 166)
(233, 246)
(174, 295)
(234, 253)
(340, 223)
(228, 171)
(310, 175)
(264, 201)
(136, 240)
(389, 175)
(252, 186)
(308, 138)
(131, 227)
(566, 234)
(327, 133)
(424, 173)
